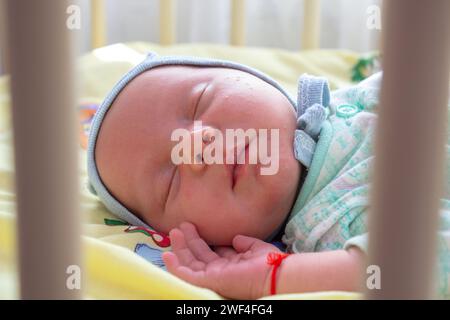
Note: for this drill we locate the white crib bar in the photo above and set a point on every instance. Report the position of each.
(311, 25)
(411, 135)
(44, 122)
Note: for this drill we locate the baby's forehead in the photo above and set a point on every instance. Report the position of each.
(156, 97)
(153, 95)
(160, 98)
(150, 103)
(165, 88)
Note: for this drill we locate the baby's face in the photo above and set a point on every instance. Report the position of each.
(134, 148)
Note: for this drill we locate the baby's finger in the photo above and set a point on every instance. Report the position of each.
(243, 243)
(194, 277)
(171, 261)
(182, 272)
(196, 244)
(181, 250)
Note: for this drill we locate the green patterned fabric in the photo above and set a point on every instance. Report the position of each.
(331, 210)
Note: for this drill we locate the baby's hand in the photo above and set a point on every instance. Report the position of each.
(239, 272)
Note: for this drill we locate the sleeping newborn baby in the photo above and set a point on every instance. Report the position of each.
(220, 157)
(134, 152)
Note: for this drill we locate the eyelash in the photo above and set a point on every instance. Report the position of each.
(169, 187)
(198, 100)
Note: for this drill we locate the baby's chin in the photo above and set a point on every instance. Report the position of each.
(225, 238)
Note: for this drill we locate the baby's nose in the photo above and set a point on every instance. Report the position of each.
(200, 138)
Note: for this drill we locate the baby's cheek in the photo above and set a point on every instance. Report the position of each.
(218, 227)
(197, 205)
(273, 189)
(279, 191)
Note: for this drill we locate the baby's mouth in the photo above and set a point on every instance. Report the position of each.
(237, 169)
(235, 173)
(231, 171)
(233, 168)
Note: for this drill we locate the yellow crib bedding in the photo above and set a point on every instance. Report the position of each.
(116, 255)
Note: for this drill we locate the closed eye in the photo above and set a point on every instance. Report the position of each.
(169, 186)
(195, 111)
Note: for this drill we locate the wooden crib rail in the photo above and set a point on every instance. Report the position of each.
(167, 23)
(311, 25)
(410, 150)
(98, 23)
(45, 148)
(237, 23)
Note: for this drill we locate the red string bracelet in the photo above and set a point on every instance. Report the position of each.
(275, 259)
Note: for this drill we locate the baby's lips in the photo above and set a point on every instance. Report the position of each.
(232, 155)
(230, 168)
